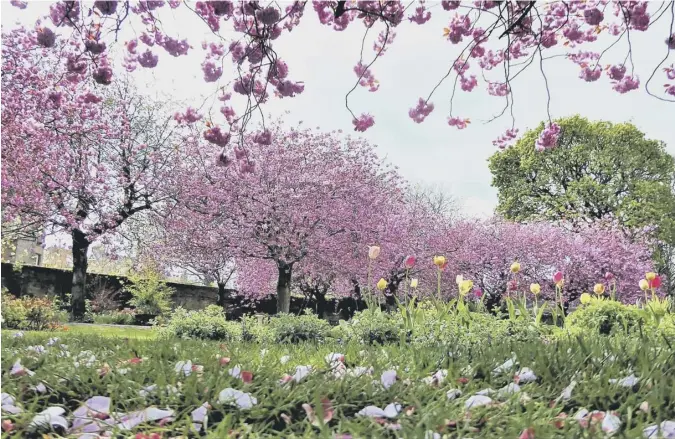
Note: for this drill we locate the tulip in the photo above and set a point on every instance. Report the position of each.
(440, 262)
(585, 299)
(373, 252)
(650, 276)
(512, 285)
(558, 278)
(459, 279)
(644, 284)
(413, 283)
(478, 293)
(381, 284)
(599, 289)
(465, 287)
(655, 283)
(535, 289)
(515, 267)
(609, 276)
(410, 262)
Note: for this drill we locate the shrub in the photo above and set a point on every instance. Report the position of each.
(208, 324)
(33, 313)
(104, 300)
(288, 328)
(149, 293)
(604, 317)
(371, 326)
(124, 317)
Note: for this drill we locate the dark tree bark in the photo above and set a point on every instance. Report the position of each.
(222, 294)
(79, 285)
(284, 287)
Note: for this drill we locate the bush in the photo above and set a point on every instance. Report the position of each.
(208, 324)
(149, 294)
(124, 317)
(104, 300)
(371, 326)
(289, 328)
(604, 317)
(32, 313)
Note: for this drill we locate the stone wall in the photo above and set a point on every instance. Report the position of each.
(41, 281)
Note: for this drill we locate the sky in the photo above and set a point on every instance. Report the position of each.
(431, 152)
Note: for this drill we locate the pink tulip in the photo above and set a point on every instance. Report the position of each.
(558, 277)
(478, 293)
(609, 276)
(410, 261)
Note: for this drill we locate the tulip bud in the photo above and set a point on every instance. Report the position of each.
(599, 289)
(558, 278)
(410, 262)
(609, 276)
(381, 284)
(650, 276)
(515, 267)
(535, 289)
(585, 299)
(373, 252)
(440, 261)
(459, 279)
(413, 283)
(644, 284)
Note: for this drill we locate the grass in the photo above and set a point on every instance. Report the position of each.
(101, 330)
(82, 365)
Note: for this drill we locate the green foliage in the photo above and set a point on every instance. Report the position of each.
(124, 317)
(150, 294)
(605, 317)
(33, 313)
(208, 324)
(371, 326)
(598, 168)
(289, 328)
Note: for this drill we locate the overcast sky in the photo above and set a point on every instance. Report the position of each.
(431, 152)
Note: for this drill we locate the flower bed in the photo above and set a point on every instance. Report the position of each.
(88, 386)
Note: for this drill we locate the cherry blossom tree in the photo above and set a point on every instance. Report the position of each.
(77, 158)
(496, 42)
(288, 196)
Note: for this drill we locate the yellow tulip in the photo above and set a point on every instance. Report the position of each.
(515, 267)
(535, 289)
(439, 261)
(373, 252)
(413, 283)
(650, 276)
(644, 284)
(585, 299)
(599, 289)
(465, 287)
(381, 284)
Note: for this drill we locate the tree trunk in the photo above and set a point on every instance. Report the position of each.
(284, 287)
(80, 262)
(321, 304)
(222, 294)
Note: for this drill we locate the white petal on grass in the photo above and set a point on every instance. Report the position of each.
(477, 401)
(301, 372)
(526, 375)
(508, 390)
(8, 404)
(388, 378)
(506, 366)
(240, 399)
(18, 369)
(666, 430)
(611, 424)
(284, 359)
(581, 414)
(150, 414)
(184, 367)
(628, 381)
(567, 391)
(453, 394)
(235, 371)
(85, 416)
(48, 419)
(485, 392)
(200, 417)
(390, 411)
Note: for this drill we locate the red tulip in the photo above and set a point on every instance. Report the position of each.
(655, 283)
(478, 292)
(558, 277)
(410, 261)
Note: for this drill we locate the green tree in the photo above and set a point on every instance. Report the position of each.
(599, 170)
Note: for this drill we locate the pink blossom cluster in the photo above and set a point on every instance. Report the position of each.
(548, 138)
(366, 78)
(506, 139)
(421, 111)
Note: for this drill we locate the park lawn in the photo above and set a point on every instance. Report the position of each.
(102, 330)
(409, 382)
